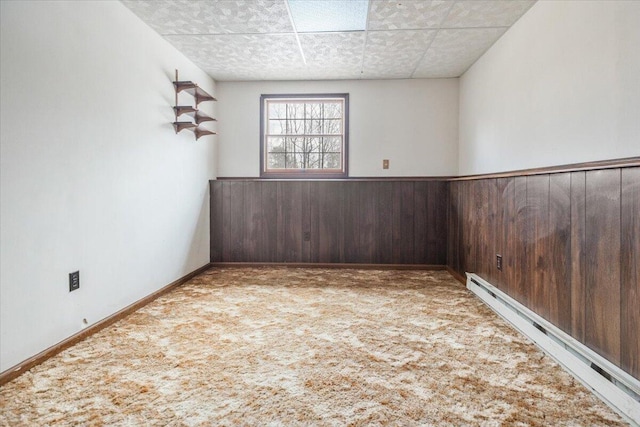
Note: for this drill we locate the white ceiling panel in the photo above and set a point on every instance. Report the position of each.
(257, 40)
(454, 51)
(242, 57)
(403, 15)
(175, 16)
(333, 53)
(486, 13)
(394, 54)
(213, 17)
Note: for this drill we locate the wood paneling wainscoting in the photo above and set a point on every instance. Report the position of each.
(317, 221)
(570, 246)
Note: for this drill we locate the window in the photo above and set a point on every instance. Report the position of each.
(304, 136)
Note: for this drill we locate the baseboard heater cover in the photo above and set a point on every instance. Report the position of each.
(611, 384)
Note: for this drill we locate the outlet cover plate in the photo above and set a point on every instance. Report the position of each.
(74, 281)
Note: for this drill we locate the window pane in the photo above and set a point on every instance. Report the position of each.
(314, 127)
(295, 126)
(275, 144)
(333, 126)
(277, 110)
(277, 127)
(310, 144)
(333, 110)
(293, 161)
(313, 111)
(332, 161)
(276, 161)
(293, 144)
(313, 161)
(332, 144)
(295, 110)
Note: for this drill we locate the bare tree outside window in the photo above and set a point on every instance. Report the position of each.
(304, 134)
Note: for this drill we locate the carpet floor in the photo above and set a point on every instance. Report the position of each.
(277, 346)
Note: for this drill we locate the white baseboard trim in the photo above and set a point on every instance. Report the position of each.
(611, 384)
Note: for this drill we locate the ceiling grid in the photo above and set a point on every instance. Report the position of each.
(261, 39)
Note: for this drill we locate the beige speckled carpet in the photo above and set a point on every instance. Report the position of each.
(278, 346)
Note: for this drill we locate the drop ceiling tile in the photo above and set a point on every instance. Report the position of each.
(252, 16)
(454, 51)
(333, 53)
(407, 14)
(236, 57)
(174, 17)
(312, 16)
(394, 54)
(486, 13)
(212, 17)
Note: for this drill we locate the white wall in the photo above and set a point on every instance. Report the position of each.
(561, 86)
(93, 178)
(413, 123)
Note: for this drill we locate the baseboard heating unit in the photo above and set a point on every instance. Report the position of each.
(611, 384)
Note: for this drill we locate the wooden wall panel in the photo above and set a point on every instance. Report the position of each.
(421, 222)
(630, 274)
(558, 252)
(402, 223)
(366, 221)
(482, 234)
(384, 220)
(233, 221)
(289, 222)
(493, 205)
(351, 225)
(436, 226)
(269, 218)
(329, 221)
(310, 222)
(505, 228)
(578, 250)
(466, 250)
(253, 224)
(523, 234)
(453, 239)
(431, 200)
(215, 221)
(602, 273)
(537, 211)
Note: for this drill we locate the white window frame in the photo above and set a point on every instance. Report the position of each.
(266, 172)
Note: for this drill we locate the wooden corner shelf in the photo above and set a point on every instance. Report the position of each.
(193, 112)
(199, 131)
(180, 126)
(202, 132)
(190, 87)
(198, 116)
